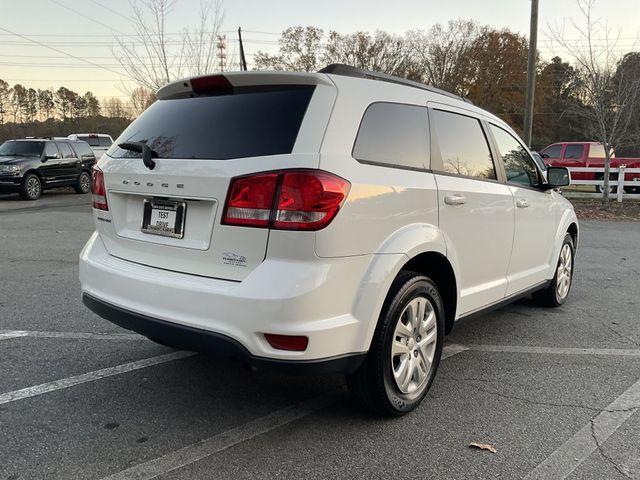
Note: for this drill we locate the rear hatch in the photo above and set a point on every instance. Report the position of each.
(203, 132)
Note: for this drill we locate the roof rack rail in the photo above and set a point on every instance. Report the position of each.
(349, 71)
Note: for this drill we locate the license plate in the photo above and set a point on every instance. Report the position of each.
(163, 217)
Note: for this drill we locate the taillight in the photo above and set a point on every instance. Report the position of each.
(292, 343)
(286, 200)
(211, 85)
(98, 190)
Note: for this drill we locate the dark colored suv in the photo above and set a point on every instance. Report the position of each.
(28, 166)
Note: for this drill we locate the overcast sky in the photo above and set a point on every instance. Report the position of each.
(85, 28)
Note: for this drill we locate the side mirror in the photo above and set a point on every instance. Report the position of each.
(558, 177)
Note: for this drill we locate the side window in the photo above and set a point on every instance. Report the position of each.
(83, 149)
(574, 151)
(518, 164)
(394, 134)
(65, 150)
(552, 152)
(104, 141)
(50, 150)
(596, 151)
(463, 146)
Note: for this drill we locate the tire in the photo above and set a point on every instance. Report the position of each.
(558, 290)
(83, 183)
(379, 384)
(31, 187)
(612, 189)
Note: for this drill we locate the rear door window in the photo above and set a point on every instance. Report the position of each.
(83, 149)
(574, 151)
(463, 146)
(394, 134)
(65, 150)
(251, 122)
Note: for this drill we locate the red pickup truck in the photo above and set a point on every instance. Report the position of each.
(589, 154)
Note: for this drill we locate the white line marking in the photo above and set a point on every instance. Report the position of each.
(205, 448)
(70, 335)
(555, 350)
(8, 335)
(570, 455)
(90, 377)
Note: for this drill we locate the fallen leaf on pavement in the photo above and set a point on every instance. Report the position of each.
(483, 446)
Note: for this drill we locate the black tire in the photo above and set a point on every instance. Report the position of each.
(632, 189)
(31, 187)
(612, 189)
(83, 183)
(553, 296)
(373, 385)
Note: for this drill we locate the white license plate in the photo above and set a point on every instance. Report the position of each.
(163, 217)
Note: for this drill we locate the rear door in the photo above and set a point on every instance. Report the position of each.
(535, 214)
(476, 208)
(200, 144)
(69, 166)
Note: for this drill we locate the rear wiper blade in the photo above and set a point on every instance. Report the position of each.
(147, 153)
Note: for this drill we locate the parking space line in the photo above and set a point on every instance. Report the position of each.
(90, 377)
(70, 335)
(205, 448)
(555, 350)
(572, 453)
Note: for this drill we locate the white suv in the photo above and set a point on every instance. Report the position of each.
(338, 221)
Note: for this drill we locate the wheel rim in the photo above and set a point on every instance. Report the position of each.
(85, 182)
(563, 274)
(33, 187)
(414, 346)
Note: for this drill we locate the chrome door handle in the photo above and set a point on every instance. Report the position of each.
(455, 199)
(522, 203)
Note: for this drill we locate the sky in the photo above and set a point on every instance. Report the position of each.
(56, 34)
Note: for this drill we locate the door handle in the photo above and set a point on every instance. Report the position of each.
(522, 203)
(455, 199)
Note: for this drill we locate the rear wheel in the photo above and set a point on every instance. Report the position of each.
(558, 290)
(612, 189)
(31, 187)
(405, 352)
(83, 183)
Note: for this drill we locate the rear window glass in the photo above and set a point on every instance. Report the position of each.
(104, 141)
(94, 141)
(573, 151)
(254, 121)
(394, 134)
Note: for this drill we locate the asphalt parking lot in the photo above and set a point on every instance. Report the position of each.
(556, 392)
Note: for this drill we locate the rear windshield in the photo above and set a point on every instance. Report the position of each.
(254, 121)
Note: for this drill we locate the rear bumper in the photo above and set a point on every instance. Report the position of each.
(313, 298)
(189, 338)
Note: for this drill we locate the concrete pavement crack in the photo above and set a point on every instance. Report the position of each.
(622, 470)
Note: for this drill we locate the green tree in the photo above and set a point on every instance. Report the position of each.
(5, 100)
(92, 108)
(45, 103)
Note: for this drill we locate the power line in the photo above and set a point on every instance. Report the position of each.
(85, 16)
(62, 52)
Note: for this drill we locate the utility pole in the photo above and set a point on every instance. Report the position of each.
(222, 47)
(531, 73)
(243, 61)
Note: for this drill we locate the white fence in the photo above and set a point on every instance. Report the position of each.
(620, 183)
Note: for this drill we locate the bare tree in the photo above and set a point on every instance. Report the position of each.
(609, 96)
(299, 50)
(441, 54)
(154, 57)
(114, 108)
(5, 99)
(140, 99)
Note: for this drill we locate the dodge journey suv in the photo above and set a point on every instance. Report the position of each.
(338, 221)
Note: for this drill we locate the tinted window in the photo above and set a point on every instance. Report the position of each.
(92, 140)
(65, 150)
(251, 122)
(104, 141)
(518, 164)
(596, 151)
(574, 151)
(394, 134)
(21, 149)
(463, 146)
(51, 150)
(552, 152)
(83, 148)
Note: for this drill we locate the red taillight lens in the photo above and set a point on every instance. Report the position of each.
(250, 200)
(309, 200)
(211, 85)
(98, 190)
(306, 200)
(293, 343)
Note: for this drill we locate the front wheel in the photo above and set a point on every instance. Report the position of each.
(558, 290)
(31, 187)
(406, 348)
